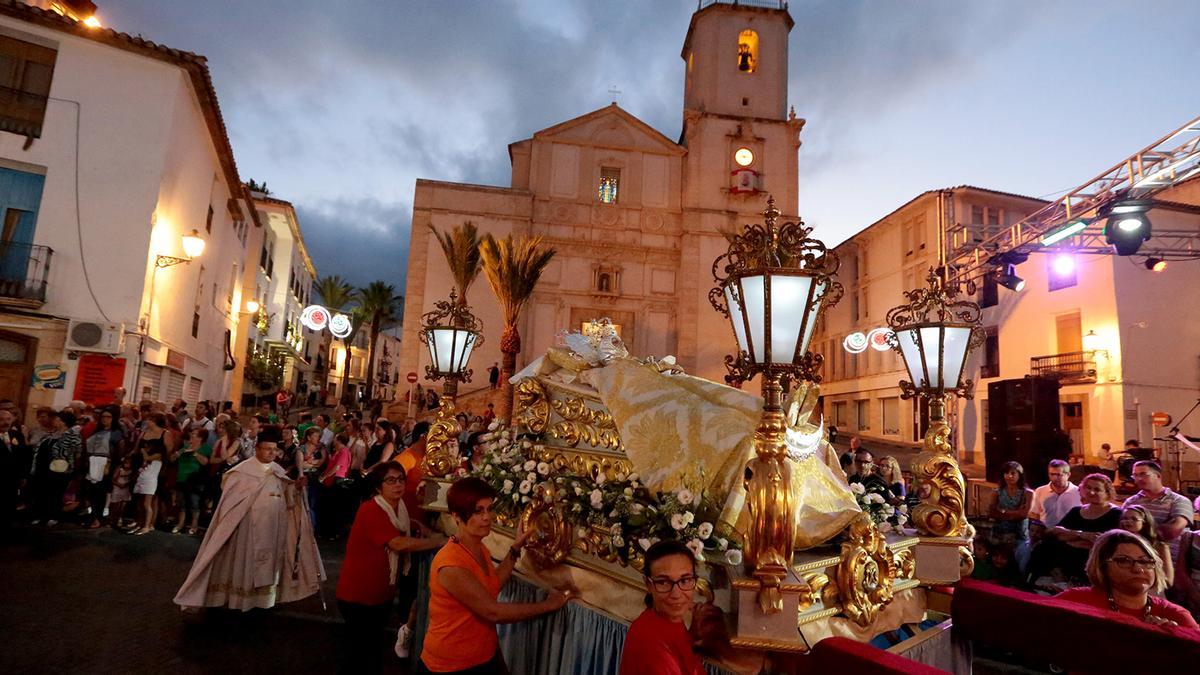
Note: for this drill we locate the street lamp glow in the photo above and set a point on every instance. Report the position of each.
(92, 22)
(252, 306)
(193, 245)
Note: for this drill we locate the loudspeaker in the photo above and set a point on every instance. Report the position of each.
(1032, 449)
(1027, 404)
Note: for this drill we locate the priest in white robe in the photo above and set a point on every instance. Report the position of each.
(259, 549)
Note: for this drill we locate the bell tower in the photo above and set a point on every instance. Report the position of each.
(742, 141)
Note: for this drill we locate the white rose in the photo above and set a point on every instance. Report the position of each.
(857, 488)
(644, 543)
(685, 496)
(635, 484)
(578, 491)
(618, 541)
(531, 477)
(600, 478)
(525, 487)
(633, 477)
(637, 508)
(526, 444)
(620, 477)
(530, 465)
(678, 521)
(901, 520)
(885, 526)
(524, 500)
(903, 508)
(689, 517)
(628, 492)
(504, 442)
(722, 543)
(697, 548)
(705, 530)
(733, 556)
(493, 426)
(516, 496)
(543, 468)
(508, 485)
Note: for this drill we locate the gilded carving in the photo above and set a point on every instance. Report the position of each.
(550, 538)
(582, 463)
(582, 424)
(441, 457)
(821, 589)
(533, 406)
(769, 498)
(867, 571)
(939, 484)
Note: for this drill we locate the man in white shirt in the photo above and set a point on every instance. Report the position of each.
(322, 421)
(1052, 500)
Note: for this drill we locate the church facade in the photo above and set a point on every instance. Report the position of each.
(635, 217)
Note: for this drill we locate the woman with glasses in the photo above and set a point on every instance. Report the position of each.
(376, 555)
(658, 641)
(464, 585)
(1137, 519)
(1125, 571)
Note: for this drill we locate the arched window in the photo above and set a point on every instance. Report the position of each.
(747, 51)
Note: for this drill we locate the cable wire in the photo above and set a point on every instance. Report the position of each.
(78, 210)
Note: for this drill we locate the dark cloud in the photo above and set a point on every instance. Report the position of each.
(363, 240)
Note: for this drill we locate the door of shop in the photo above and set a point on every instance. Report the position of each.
(16, 366)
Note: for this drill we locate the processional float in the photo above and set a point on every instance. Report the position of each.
(607, 453)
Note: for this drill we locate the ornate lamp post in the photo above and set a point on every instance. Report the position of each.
(451, 332)
(934, 334)
(772, 284)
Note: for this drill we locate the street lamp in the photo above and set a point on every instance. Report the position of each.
(772, 284)
(451, 332)
(193, 247)
(934, 334)
(252, 306)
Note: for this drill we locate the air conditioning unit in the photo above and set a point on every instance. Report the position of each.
(89, 336)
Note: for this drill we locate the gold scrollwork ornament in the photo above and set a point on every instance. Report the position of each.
(550, 540)
(867, 571)
(533, 406)
(441, 445)
(940, 486)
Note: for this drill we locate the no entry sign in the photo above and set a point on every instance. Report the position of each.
(412, 378)
(1160, 419)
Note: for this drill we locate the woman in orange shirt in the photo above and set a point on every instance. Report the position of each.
(463, 588)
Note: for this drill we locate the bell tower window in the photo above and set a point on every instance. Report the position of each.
(747, 51)
(610, 181)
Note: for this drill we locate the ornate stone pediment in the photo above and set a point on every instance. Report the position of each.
(611, 127)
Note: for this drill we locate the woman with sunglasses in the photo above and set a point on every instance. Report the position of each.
(1124, 571)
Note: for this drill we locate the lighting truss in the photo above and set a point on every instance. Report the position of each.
(1168, 161)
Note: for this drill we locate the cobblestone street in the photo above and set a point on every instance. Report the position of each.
(97, 601)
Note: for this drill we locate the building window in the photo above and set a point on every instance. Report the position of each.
(610, 181)
(989, 293)
(747, 51)
(991, 353)
(25, 73)
(839, 414)
(196, 322)
(208, 220)
(863, 414)
(891, 416)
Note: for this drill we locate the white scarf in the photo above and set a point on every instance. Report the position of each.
(399, 518)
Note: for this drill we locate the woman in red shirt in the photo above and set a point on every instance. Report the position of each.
(376, 553)
(1124, 569)
(463, 588)
(658, 642)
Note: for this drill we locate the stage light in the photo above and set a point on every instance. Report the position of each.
(1010, 280)
(1064, 264)
(1070, 229)
(1155, 264)
(1127, 226)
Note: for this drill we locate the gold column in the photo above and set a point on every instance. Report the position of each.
(773, 531)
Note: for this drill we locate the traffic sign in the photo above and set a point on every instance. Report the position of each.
(412, 378)
(1160, 419)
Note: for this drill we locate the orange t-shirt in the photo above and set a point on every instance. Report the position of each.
(457, 638)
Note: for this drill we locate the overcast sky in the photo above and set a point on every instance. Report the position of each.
(340, 105)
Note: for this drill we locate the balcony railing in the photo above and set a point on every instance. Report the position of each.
(24, 269)
(1072, 367)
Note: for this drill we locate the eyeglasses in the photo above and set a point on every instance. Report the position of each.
(665, 585)
(393, 480)
(1127, 563)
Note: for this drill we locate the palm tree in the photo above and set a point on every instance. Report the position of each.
(461, 247)
(513, 269)
(357, 318)
(337, 294)
(382, 307)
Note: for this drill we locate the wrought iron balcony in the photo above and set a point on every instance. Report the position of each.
(24, 269)
(1071, 368)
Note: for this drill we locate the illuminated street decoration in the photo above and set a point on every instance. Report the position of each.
(855, 343)
(878, 339)
(340, 326)
(315, 318)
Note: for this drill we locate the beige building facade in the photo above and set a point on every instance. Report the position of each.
(635, 217)
(1119, 338)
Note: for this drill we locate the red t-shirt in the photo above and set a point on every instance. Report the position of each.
(658, 646)
(365, 571)
(1163, 609)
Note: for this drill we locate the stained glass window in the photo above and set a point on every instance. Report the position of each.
(610, 180)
